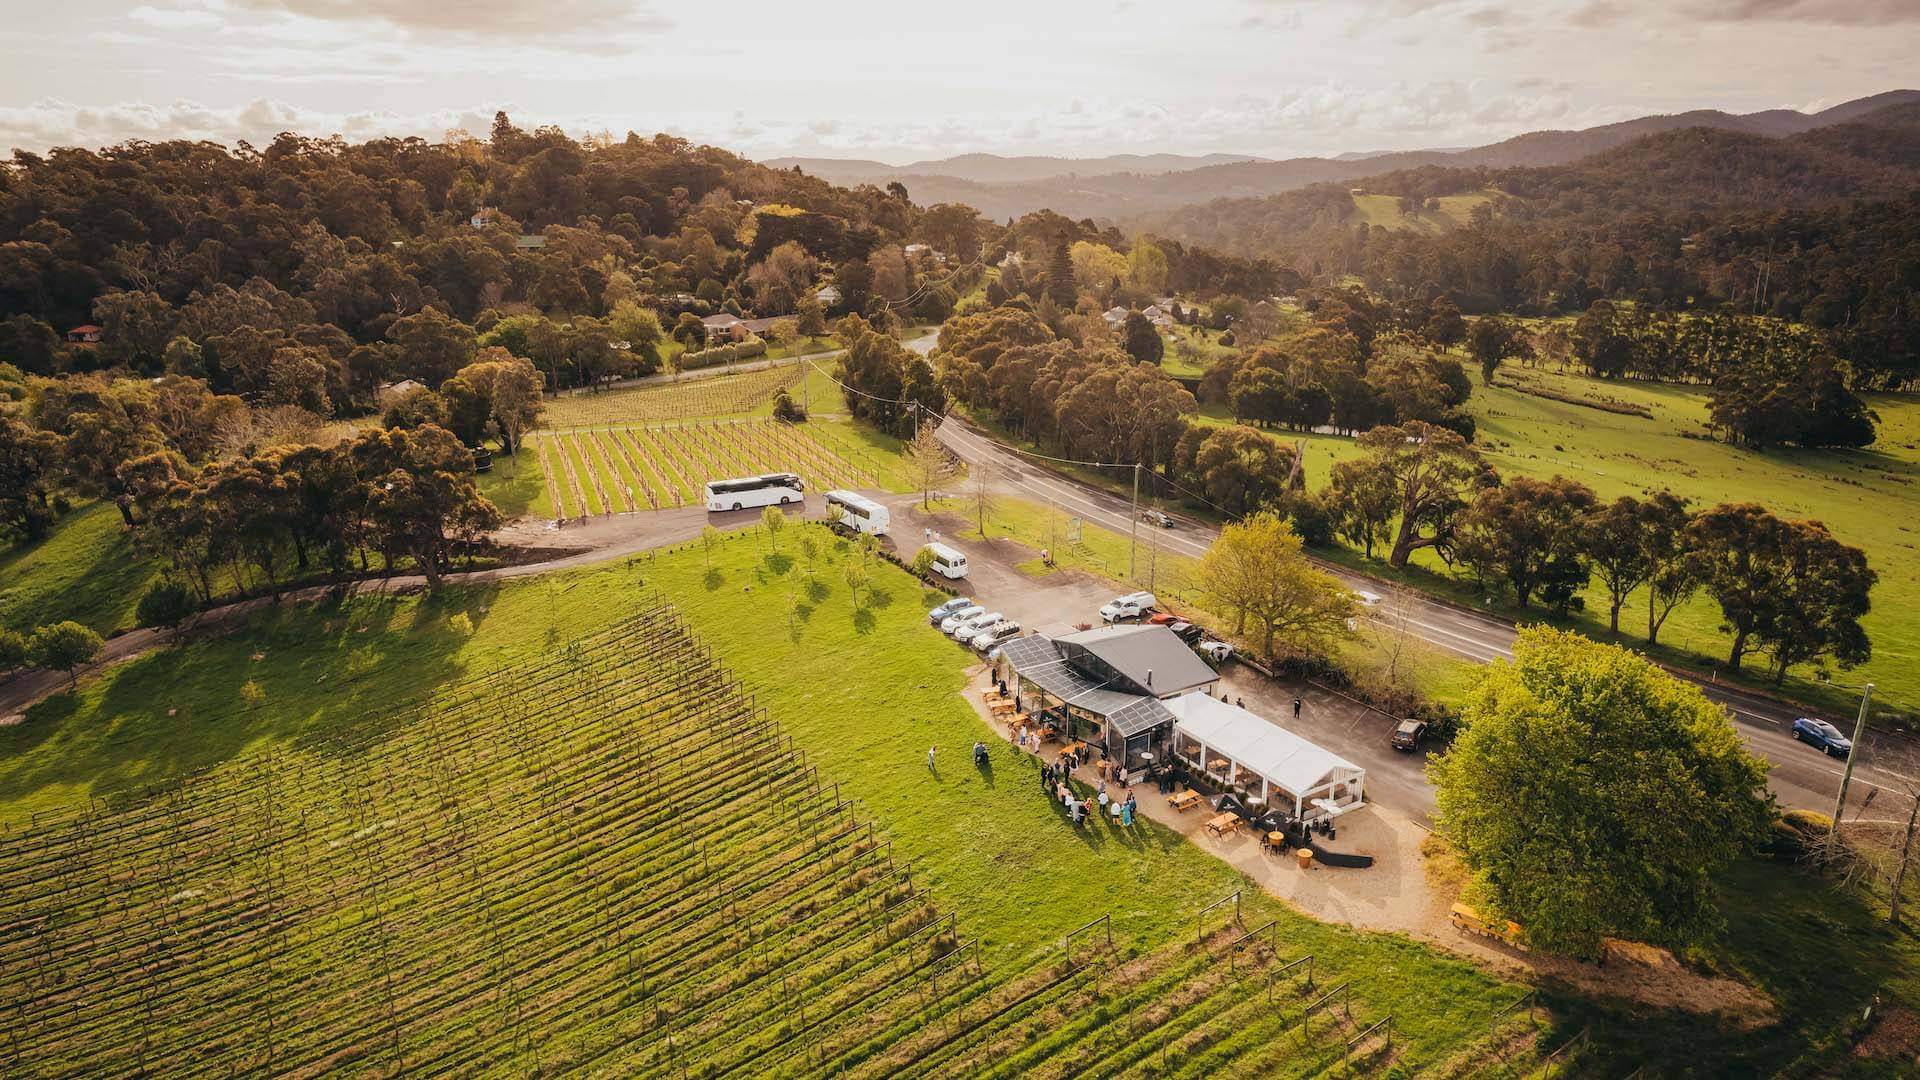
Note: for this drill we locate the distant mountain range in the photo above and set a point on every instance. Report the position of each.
(1123, 187)
(994, 169)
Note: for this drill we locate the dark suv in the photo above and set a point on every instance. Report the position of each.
(1409, 735)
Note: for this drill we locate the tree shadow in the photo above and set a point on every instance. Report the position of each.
(818, 591)
(863, 621)
(714, 579)
(879, 598)
(777, 563)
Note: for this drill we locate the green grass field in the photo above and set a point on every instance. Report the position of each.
(86, 570)
(555, 818)
(1384, 211)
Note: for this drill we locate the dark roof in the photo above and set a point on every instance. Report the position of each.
(1038, 660)
(1150, 657)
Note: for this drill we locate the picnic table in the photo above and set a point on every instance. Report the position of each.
(1274, 841)
(1222, 824)
(1184, 799)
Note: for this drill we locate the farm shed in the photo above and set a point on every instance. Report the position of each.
(1266, 759)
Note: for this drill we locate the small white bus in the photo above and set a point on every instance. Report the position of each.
(749, 491)
(947, 562)
(857, 512)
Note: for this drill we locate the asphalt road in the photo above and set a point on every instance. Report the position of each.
(1802, 777)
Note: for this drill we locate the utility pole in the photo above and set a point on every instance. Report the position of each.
(1846, 776)
(1133, 543)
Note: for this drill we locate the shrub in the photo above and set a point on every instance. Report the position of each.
(166, 603)
(13, 649)
(785, 409)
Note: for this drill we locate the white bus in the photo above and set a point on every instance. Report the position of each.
(755, 491)
(857, 512)
(947, 562)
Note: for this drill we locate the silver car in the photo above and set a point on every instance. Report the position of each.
(952, 622)
(969, 627)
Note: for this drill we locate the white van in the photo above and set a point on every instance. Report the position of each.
(947, 562)
(857, 512)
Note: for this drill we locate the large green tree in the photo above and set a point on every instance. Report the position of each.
(1524, 535)
(1591, 795)
(1257, 573)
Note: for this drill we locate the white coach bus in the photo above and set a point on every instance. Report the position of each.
(857, 512)
(747, 491)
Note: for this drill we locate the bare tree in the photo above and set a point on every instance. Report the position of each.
(928, 464)
(981, 499)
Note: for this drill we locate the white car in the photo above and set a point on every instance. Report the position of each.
(1130, 606)
(1216, 652)
(951, 622)
(993, 635)
(969, 627)
(1367, 599)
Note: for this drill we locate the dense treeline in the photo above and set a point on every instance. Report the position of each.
(1821, 228)
(1088, 399)
(1787, 589)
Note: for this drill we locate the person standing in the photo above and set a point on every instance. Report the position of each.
(932, 750)
(1296, 708)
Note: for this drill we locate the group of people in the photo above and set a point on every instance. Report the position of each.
(1055, 781)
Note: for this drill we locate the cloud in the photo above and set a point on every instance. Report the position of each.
(174, 18)
(1837, 12)
(498, 19)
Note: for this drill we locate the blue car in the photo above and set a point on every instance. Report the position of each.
(1822, 735)
(939, 615)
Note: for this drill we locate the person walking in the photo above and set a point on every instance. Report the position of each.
(932, 750)
(1296, 708)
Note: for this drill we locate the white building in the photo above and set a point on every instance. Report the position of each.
(1237, 749)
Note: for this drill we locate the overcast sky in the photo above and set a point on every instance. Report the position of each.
(902, 81)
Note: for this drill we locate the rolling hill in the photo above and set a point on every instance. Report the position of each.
(1123, 188)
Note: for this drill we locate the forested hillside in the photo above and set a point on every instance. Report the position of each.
(1822, 227)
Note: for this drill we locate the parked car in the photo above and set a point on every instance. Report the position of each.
(954, 619)
(1214, 652)
(1185, 631)
(1163, 618)
(939, 615)
(987, 641)
(1822, 736)
(968, 627)
(1130, 606)
(1409, 735)
(965, 634)
(1367, 599)
(1155, 517)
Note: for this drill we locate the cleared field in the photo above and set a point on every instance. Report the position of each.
(699, 396)
(1454, 211)
(610, 857)
(593, 471)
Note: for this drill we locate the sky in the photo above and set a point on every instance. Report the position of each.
(904, 82)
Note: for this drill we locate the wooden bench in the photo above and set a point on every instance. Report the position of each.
(1223, 824)
(1184, 799)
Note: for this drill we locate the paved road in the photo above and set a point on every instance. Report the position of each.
(1801, 777)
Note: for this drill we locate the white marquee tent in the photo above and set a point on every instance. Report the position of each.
(1267, 758)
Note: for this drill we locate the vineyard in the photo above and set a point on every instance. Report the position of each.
(607, 861)
(707, 396)
(617, 470)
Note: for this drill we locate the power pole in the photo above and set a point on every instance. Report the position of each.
(1846, 776)
(1133, 543)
